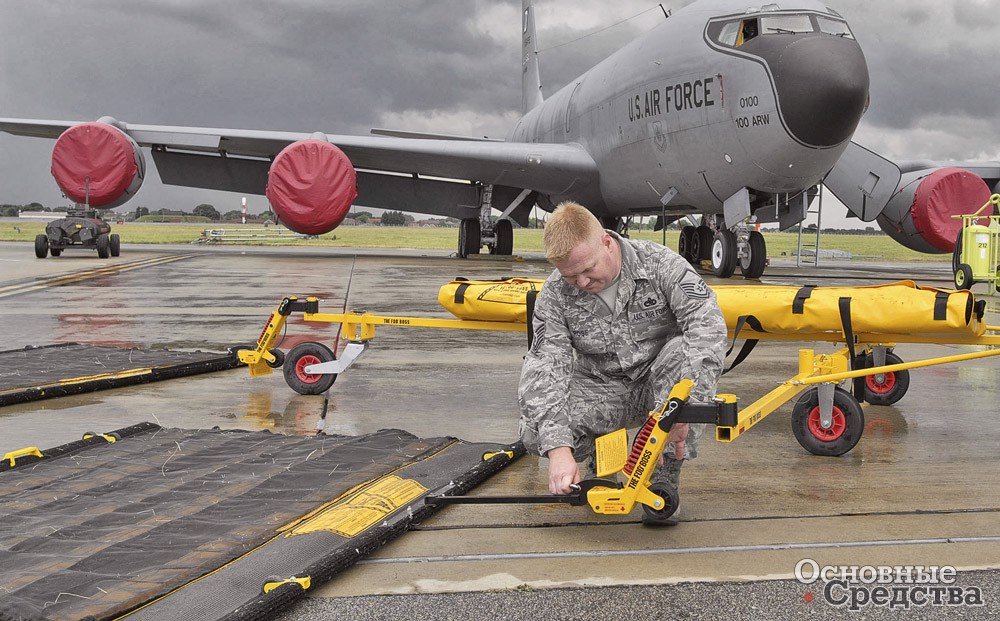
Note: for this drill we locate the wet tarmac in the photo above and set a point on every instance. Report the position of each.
(919, 489)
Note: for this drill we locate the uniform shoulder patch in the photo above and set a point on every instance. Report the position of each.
(694, 289)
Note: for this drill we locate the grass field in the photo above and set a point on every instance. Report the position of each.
(861, 247)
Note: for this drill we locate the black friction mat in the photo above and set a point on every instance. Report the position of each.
(36, 373)
(154, 523)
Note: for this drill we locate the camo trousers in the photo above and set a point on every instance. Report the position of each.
(602, 405)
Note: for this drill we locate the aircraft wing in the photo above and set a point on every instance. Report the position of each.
(182, 153)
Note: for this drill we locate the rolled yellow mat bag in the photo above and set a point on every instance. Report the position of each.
(895, 308)
(489, 300)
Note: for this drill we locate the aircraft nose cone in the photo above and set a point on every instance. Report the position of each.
(822, 84)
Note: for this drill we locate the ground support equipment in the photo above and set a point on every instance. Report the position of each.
(826, 420)
(977, 250)
(609, 496)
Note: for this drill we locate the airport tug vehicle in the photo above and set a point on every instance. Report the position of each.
(81, 228)
(977, 250)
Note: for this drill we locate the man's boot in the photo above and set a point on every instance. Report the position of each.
(668, 474)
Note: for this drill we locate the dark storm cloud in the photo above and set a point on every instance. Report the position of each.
(451, 66)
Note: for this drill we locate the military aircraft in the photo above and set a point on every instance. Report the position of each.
(722, 111)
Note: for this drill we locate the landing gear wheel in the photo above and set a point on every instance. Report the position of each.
(752, 266)
(671, 502)
(686, 243)
(103, 246)
(703, 243)
(963, 277)
(115, 244)
(41, 246)
(56, 252)
(279, 359)
(504, 232)
(841, 436)
(724, 253)
(890, 387)
(296, 361)
(470, 238)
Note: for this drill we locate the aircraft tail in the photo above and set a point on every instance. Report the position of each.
(531, 82)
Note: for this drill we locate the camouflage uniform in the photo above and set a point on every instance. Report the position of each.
(591, 371)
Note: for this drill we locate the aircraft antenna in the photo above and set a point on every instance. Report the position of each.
(600, 30)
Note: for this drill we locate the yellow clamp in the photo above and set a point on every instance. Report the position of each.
(107, 438)
(13, 455)
(489, 456)
(274, 582)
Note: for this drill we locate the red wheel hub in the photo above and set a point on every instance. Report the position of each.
(880, 388)
(300, 369)
(835, 430)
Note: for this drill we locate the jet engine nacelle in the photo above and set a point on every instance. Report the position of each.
(98, 164)
(311, 185)
(919, 215)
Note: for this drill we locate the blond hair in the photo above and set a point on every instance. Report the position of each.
(570, 225)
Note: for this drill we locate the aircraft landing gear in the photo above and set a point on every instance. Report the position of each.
(753, 255)
(724, 253)
(470, 238)
(503, 231)
(474, 233)
(696, 243)
(743, 248)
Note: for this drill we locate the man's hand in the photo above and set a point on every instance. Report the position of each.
(563, 471)
(678, 435)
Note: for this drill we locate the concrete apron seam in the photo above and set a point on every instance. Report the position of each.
(693, 550)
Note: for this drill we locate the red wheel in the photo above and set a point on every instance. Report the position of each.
(294, 368)
(836, 429)
(885, 388)
(847, 424)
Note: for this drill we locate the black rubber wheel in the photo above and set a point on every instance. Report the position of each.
(279, 359)
(843, 434)
(301, 356)
(703, 244)
(670, 497)
(470, 238)
(103, 246)
(891, 387)
(724, 253)
(685, 245)
(41, 246)
(56, 251)
(504, 232)
(963, 277)
(956, 254)
(753, 265)
(115, 244)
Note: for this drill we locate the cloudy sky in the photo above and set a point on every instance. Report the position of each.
(345, 66)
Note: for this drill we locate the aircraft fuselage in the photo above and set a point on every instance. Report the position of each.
(712, 100)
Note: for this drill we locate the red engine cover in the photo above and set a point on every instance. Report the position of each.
(311, 186)
(105, 155)
(942, 194)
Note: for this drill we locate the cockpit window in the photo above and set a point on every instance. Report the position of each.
(834, 27)
(785, 24)
(737, 32)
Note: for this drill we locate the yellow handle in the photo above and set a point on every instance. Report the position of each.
(275, 583)
(681, 390)
(489, 456)
(13, 455)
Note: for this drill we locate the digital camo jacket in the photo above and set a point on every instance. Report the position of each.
(664, 312)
